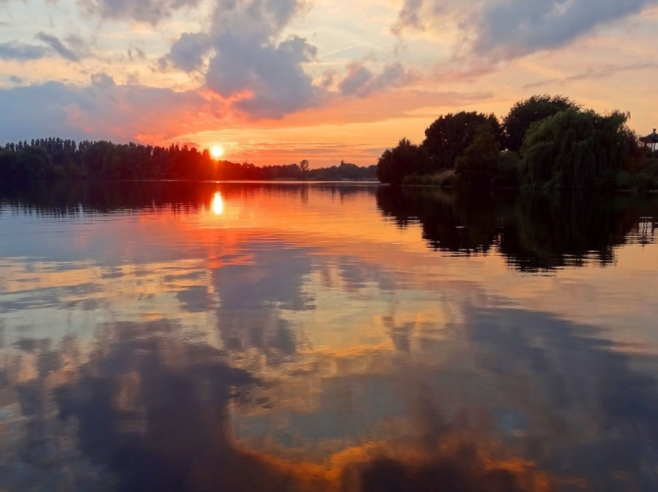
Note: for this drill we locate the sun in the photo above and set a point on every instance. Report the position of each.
(216, 152)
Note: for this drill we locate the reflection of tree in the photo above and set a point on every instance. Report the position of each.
(457, 223)
(553, 231)
(533, 231)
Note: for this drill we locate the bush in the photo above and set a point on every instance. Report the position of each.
(445, 179)
(643, 182)
(651, 168)
(413, 179)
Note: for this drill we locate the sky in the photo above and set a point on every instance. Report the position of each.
(278, 81)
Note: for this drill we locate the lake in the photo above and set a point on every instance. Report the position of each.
(326, 337)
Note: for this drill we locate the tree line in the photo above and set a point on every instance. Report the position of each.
(543, 142)
(63, 158)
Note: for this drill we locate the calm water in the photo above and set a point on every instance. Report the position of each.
(205, 337)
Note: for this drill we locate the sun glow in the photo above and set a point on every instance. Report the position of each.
(217, 204)
(216, 152)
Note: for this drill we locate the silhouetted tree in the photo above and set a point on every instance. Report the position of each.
(573, 149)
(107, 160)
(449, 136)
(477, 165)
(525, 113)
(401, 161)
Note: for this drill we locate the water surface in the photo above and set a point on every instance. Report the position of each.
(325, 337)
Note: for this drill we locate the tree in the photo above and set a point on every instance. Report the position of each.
(303, 168)
(404, 160)
(575, 149)
(525, 113)
(93, 157)
(32, 163)
(448, 136)
(477, 165)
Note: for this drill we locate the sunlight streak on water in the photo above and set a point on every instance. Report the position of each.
(217, 204)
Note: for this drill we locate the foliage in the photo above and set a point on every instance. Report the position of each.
(444, 179)
(404, 160)
(449, 136)
(572, 149)
(477, 165)
(644, 182)
(507, 170)
(524, 113)
(303, 168)
(346, 170)
(57, 158)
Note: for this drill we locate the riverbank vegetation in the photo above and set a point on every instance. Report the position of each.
(59, 158)
(547, 142)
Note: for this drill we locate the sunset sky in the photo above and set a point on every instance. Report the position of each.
(278, 81)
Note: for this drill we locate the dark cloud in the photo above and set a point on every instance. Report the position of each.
(151, 11)
(362, 82)
(59, 47)
(265, 74)
(13, 50)
(102, 109)
(408, 16)
(518, 27)
(250, 63)
(187, 52)
(505, 29)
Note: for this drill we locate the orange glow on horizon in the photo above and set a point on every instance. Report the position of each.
(217, 204)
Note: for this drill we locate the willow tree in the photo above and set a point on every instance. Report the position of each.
(573, 149)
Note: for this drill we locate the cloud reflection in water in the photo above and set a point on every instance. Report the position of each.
(251, 356)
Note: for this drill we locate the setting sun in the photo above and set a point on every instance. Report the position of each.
(216, 152)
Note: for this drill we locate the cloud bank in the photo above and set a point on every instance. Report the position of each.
(507, 29)
(246, 59)
(103, 109)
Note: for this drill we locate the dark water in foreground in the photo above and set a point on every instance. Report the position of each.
(204, 337)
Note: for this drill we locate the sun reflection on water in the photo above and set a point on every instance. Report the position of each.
(217, 204)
